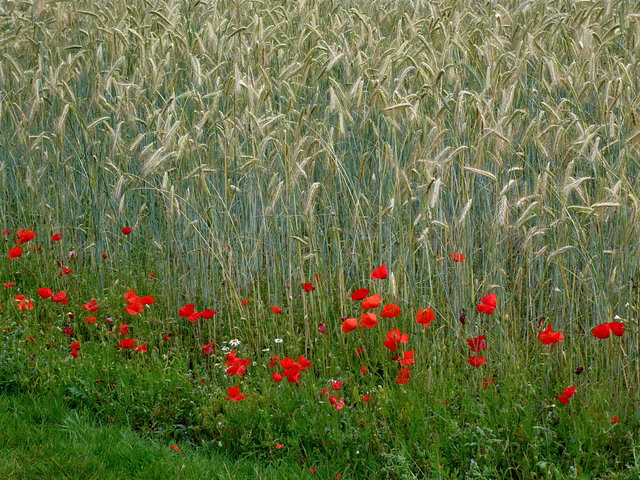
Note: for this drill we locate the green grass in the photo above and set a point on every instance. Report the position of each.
(253, 146)
(42, 438)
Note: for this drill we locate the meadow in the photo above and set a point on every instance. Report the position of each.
(320, 239)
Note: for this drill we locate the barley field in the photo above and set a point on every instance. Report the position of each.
(320, 239)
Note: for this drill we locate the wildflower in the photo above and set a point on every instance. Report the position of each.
(380, 273)
(548, 337)
(308, 287)
(488, 304)
(477, 344)
(278, 340)
(390, 310)
(567, 393)
(15, 252)
(371, 302)
(126, 230)
(477, 360)
(457, 257)
(349, 324)
(359, 294)
(425, 316)
(55, 237)
(276, 309)
(234, 394)
(234, 342)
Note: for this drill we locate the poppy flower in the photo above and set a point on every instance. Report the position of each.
(104, 256)
(308, 287)
(349, 324)
(601, 331)
(24, 303)
(425, 316)
(276, 309)
(277, 377)
(403, 376)
(123, 329)
(614, 420)
(234, 394)
(25, 235)
(567, 393)
(175, 448)
(322, 328)
(207, 314)
(368, 320)
(548, 337)
(487, 381)
(74, 348)
(359, 294)
(371, 302)
(45, 292)
(55, 237)
(274, 361)
(187, 310)
(65, 271)
(245, 302)
(60, 297)
(126, 230)
(339, 404)
(488, 304)
(617, 328)
(364, 370)
(15, 252)
(477, 344)
(140, 348)
(477, 360)
(407, 358)
(208, 349)
(91, 306)
(394, 337)
(68, 330)
(126, 343)
(390, 310)
(367, 399)
(9, 284)
(457, 257)
(90, 320)
(380, 273)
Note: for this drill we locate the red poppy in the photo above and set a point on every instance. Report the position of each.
(126, 230)
(25, 235)
(477, 344)
(208, 349)
(9, 284)
(276, 309)
(394, 337)
(371, 302)
(60, 297)
(186, 310)
(380, 273)
(91, 306)
(123, 329)
(359, 294)
(364, 370)
(68, 330)
(425, 316)
(274, 361)
(207, 314)
(175, 448)
(45, 292)
(488, 304)
(15, 252)
(601, 331)
(24, 303)
(339, 404)
(308, 287)
(390, 310)
(457, 257)
(245, 302)
(234, 394)
(614, 420)
(477, 360)
(104, 255)
(368, 320)
(487, 381)
(237, 366)
(140, 348)
(89, 320)
(403, 376)
(617, 328)
(276, 377)
(74, 348)
(55, 237)
(407, 358)
(567, 393)
(126, 343)
(349, 324)
(367, 399)
(548, 337)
